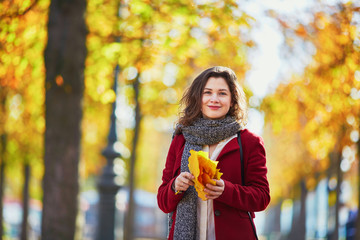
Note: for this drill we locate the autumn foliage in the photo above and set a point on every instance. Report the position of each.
(159, 46)
(204, 171)
(318, 110)
(137, 36)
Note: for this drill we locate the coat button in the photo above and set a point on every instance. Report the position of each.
(217, 213)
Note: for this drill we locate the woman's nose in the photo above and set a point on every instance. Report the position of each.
(214, 97)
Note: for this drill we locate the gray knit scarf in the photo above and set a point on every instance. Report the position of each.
(201, 132)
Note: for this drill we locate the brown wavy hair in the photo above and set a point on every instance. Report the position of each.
(192, 99)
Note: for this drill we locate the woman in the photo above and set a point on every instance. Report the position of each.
(214, 112)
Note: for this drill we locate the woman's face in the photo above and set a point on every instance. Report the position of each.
(216, 98)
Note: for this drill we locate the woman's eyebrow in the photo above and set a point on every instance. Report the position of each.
(223, 90)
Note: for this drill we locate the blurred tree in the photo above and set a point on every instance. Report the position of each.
(286, 154)
(202, 35)
(130, 217)
(273, 221)
(323, 101)
(26, 200)
(2, 155)
(2, 179)
(65, 56)
(165, 56)
(298, 228)
(21, 44)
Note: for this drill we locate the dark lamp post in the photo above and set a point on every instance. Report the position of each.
(107, 185)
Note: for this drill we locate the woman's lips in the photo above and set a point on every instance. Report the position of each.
(214, 107)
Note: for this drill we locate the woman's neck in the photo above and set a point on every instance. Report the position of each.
(211, 149)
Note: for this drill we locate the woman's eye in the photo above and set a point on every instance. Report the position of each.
(223, 93)
(207, 92)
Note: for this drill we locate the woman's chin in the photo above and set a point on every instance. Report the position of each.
(214, 117)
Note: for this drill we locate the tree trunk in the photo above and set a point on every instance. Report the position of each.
(339, 177)
(24, 225)
(2, 181)
(272, 220)
(130, 216)
(302, 219)
(335, 158)
(65, 56)
(3, 140)
(298, 228)
(357, 224)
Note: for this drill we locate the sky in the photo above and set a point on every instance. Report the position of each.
(267, 65)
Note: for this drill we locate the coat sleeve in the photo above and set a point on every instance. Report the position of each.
(255, 194)
(166, 197)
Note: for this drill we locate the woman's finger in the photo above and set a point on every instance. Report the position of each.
(187, 178)
(213, 192)
(218, 187)
(183, 181)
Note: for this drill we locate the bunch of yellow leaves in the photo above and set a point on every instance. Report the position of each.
(204, 171)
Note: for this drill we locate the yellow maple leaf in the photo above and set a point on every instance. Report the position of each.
(204, 171)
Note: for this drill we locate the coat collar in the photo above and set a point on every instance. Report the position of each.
(231, 146)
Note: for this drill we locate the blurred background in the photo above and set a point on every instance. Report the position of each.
(89, 94)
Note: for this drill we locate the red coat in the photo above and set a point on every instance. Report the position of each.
(230, 209)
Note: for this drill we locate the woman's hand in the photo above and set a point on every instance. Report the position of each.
(183, 181)
(213, 192)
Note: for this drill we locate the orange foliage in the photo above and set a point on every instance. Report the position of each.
(204, 171)
(137, 35)
(317, 104)
(22, 42)
(164, 56)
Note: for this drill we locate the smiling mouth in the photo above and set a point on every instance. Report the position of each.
(214, 107)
